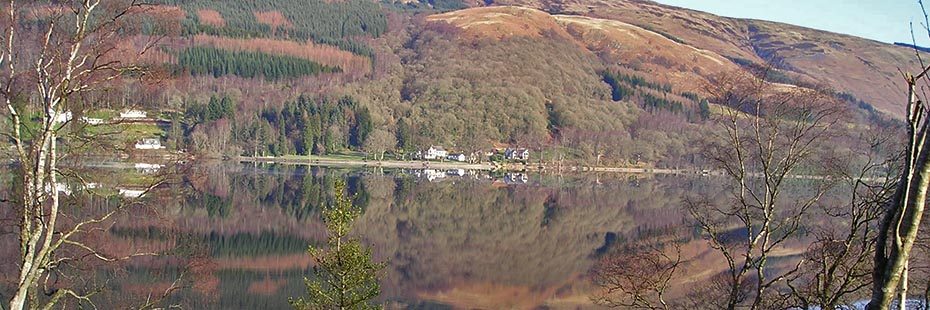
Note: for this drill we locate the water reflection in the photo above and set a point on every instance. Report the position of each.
(452, 238)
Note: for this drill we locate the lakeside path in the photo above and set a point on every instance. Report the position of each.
(351, 162)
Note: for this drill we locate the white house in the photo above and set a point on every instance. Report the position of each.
(457, 157)
(133, 114)
(149, 144)
(131, 193)
(435, 152)
(517, 154)
(92, 121)
(62, 117)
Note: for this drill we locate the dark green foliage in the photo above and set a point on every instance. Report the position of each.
(691, 96)
(362, 127)
(214, 110)
(614, 78)
(203, 60)
(405, 137)
(704, 109)
(326, 22)
(618, 91)
(344, 276)
(425, 5)
(650, 101)
(307, 126)
(234, 245)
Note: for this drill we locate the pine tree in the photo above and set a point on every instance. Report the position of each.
(344, 276)
(704, 108)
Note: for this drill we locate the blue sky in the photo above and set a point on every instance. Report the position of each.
(882, 20)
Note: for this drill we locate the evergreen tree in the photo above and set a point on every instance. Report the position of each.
(363, 127)
(344, 276)
(704, 109)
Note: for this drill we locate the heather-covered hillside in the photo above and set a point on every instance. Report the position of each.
(616, 82)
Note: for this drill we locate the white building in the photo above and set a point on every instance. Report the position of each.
(92, 121)
(131, 193)
(149, 144)
(133, 114)
(457, 157)
(62, 117)
(435, 152)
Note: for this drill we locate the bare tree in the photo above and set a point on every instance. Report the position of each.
(837, 266)
(897, 231)
(54, 54)
(379, 142)
(769, 138)
(638, 276)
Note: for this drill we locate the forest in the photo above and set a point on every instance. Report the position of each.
(332, 23)
(219, 62)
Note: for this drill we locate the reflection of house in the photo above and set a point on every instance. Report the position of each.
(92, 121)
(432, 174)
(435, 152)
(456, 172)
(517, 154)
(147, 168)
(149, 144)
(457, 157)
(516, 178)
(131, 193)
(133, 114)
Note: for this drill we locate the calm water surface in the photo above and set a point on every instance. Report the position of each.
(452, 239)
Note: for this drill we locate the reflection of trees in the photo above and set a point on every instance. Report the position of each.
(440, 235)
(433, 235)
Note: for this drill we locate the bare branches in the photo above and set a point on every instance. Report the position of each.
(638, 276)
(72, 50)
(769, 137)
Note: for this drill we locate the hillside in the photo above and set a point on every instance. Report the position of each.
(865, 68)
(595, 82)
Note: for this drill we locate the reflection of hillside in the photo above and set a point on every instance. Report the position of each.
(444, 236)
(467, 243)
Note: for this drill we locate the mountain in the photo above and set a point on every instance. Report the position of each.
(865, 68)
(598, 82)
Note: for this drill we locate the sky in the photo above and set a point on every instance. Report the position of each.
(882, 20)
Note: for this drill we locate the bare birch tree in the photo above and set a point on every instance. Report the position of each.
(769, 138)
(53, 53)
(836, 268)
(897, 231)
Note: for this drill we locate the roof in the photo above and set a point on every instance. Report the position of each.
(438, 148)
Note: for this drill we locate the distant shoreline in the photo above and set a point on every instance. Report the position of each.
(325, 161)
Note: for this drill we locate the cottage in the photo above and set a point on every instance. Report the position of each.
(435, 152)
(131, 192)
(62, 117)
(517, 154)
(133, 114)
(149, 144)
(91, 120)
(457, 157)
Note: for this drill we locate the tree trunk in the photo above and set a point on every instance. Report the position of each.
(902, 220)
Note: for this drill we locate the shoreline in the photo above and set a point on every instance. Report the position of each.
(508, 167)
